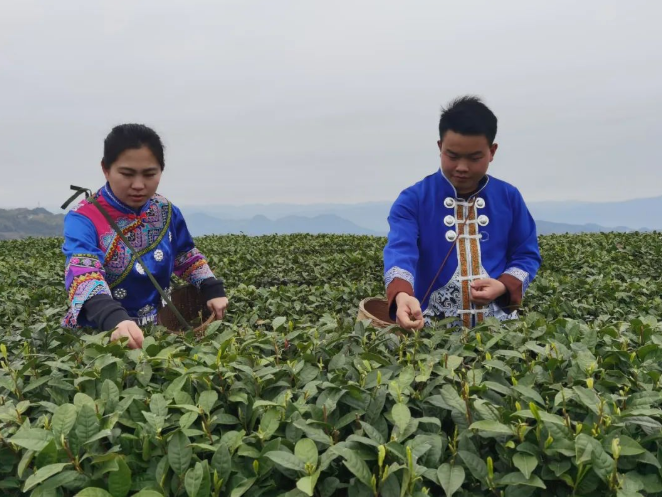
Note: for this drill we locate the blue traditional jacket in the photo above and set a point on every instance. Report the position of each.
(98, 262)
(490, 234)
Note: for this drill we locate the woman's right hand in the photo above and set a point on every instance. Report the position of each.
(409, 315)
(130, 330)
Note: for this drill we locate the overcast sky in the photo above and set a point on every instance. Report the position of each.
(318, 101)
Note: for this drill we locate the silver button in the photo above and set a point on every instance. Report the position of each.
(119, 293)
(449, 202)
(451, 235)
(158, 255)
(449, 221)
(483, 220)
(139, 268)
(480, 203)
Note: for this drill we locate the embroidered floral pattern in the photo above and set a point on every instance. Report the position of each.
(192, 266)
(447, 302)
(82, 288)
(144, 233)
(147, 315)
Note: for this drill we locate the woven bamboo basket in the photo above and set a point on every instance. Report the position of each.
(189, 302)
(376, 310)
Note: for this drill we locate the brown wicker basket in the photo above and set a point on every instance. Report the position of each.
(376, 310)
(189, 302)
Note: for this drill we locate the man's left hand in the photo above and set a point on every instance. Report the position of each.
(486, 290)
(218, 306)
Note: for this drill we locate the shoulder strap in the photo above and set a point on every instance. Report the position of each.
(90, 198)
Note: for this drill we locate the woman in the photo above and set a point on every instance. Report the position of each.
(107, 287)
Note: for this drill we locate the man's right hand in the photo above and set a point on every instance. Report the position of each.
(130, 330)
(409, 315)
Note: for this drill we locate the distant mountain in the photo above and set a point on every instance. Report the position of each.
(356, 219)
(638, 214)
(634, 213)
(370, 215)
(371, 218)
(204, 224)
(548, 228)
(20, 223)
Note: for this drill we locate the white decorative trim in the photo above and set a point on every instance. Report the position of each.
(487, 180)
(473, 311)
(398, 272)
(521, 275)
(110, 194)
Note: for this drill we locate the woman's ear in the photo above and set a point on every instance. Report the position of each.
(106, 172)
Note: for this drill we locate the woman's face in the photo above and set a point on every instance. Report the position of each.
(134, 176)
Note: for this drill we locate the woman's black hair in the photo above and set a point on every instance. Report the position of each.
(131, 136)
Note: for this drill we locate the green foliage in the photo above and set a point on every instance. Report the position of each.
(290, 396)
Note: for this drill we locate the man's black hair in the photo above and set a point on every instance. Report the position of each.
(469, 116)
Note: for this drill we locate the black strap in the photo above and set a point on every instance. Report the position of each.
(88, 195)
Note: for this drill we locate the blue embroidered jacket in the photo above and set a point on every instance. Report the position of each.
(490, 234)
(99, 263)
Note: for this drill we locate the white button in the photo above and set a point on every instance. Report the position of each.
(158, 255)
(483, 220)
(139, 268)
(449, 202)
(449, 221)
(451, 235)
(480, 203)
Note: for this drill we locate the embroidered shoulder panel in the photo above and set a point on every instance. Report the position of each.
(144, 233)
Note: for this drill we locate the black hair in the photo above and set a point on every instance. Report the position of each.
(131, 136)
(469, 116)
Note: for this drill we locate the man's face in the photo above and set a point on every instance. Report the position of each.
(134, 176)
(465, 159)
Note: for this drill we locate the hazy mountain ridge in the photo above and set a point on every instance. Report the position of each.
(21, 223)
(360, 219)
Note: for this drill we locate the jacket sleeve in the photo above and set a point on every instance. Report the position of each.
(523, 255)
(401, 251)
(84, 275)
(190, 264)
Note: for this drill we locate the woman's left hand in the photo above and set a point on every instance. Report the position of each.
(218, 306)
